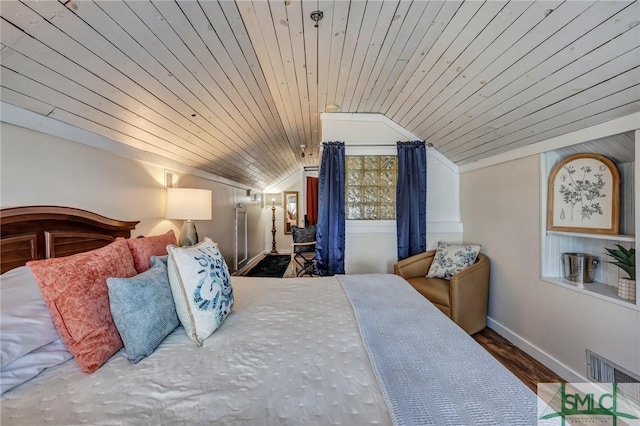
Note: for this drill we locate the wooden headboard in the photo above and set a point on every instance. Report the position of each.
(42, 232)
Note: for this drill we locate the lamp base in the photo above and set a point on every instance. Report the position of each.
(188, 234)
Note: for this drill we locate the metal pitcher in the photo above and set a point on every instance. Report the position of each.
(579, 267)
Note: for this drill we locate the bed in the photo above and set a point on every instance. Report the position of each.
(352, 350)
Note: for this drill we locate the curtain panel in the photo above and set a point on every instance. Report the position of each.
(411, 199)
(330, 235)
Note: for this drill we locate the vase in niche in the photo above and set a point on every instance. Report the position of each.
(627, 289)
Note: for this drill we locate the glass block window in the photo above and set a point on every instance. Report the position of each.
(371, 187)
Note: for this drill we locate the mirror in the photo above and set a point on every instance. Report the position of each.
(291, 211)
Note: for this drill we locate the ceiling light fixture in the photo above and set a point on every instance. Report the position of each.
(332, 108)
(316, 15)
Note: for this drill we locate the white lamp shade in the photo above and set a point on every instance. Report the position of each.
(188, 204)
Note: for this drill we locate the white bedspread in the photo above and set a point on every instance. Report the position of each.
(289, 354)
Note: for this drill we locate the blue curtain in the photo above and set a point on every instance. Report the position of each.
(330, 233)
(411, 199)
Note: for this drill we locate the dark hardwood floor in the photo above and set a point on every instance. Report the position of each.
(527, 369)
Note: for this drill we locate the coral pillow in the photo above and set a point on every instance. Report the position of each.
(143, 248)
(75, 291)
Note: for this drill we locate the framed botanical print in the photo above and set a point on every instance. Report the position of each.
(584, 195)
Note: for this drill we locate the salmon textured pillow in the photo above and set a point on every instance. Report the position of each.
(75, 290)
(143, 248)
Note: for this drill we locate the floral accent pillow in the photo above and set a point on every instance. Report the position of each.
(450, 259)
(201, 288)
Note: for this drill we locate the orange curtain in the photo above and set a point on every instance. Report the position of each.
(312, 201)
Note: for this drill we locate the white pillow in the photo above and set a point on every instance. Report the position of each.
(30, 365)
(25, 322)
(201, 288)
(450, 259)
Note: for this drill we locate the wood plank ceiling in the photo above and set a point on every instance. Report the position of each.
(235, 88)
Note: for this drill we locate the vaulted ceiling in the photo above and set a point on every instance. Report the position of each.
(236, 88)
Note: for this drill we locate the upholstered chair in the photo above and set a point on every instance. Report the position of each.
(303, 250)
(464, 298)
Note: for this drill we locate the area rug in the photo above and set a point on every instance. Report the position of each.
(271, 266)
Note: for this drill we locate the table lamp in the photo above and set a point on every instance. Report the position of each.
(188, 204)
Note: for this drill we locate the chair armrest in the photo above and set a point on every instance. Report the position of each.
(308, 243)
(294, 245)
(414, 266)
(481, 263)
(469, 294)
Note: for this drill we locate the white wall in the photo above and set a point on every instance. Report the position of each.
(221, 228)
(501, 211)
(283, 241)
(41, 169)
(371, 246)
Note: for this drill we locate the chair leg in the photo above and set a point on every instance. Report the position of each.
(303, 266)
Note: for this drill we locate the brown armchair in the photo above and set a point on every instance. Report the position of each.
(464, 298)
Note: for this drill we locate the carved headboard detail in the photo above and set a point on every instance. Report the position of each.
(41, 232)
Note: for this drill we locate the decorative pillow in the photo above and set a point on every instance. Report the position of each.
(75, 291)
(25, 322)
(143, 310)
(304, 235)
(30, 365)
(164, 259)
(450, 259)
(201, 288)
(143, 248)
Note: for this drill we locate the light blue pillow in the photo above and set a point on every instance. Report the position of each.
(143, 310)
(164, 259)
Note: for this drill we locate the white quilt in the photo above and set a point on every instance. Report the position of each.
(290, 353)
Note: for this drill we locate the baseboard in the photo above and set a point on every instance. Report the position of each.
(550, 362)
(250, 264)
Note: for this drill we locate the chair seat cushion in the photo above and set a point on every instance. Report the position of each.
(304, 235)
(434, 289)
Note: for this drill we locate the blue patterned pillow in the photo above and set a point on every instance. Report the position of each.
(143, 310)
(201, 288)
(450, 259)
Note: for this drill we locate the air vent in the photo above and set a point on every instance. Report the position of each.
(601, 370)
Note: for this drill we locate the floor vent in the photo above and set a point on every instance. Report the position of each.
(602, 370)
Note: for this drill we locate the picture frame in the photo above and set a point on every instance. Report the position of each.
(290, 210)
(583, 195)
